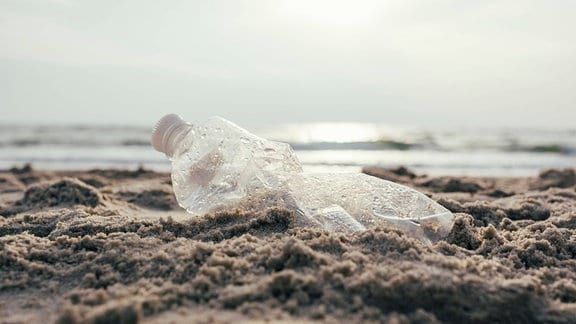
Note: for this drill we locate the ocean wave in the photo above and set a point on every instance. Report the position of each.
(562, 142)
(376, 145)
(70, 142)
(383, 145)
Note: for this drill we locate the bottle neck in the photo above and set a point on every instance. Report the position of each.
(174, 136)
(168, 132)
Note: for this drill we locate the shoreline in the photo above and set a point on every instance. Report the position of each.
(113, 245)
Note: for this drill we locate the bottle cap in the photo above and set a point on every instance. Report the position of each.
(164, 131)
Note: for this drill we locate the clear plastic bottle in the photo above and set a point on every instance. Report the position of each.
(217, 165)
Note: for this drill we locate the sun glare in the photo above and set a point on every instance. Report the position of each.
(337, 12)
(340, 132)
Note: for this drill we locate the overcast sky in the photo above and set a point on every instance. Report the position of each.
(453, 62)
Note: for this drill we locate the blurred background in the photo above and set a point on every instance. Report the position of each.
(441, 86)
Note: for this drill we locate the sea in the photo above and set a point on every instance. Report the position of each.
(321, 147)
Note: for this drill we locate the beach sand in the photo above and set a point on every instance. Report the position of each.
(109, 246)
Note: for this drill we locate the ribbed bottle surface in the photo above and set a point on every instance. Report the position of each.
(165, 133)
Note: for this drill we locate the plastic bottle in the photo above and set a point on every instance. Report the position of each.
(217, 165)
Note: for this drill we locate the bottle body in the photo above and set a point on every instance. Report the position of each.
(216, 165)
(352, 202)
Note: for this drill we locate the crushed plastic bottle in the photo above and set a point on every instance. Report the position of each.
(217, 164)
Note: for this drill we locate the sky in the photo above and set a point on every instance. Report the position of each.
(257, 62)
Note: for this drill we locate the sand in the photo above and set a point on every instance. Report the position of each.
(109, 246)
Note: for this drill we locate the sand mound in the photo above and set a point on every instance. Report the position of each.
(10, 183)
(400, 174)
(28, 175)
(65, 192)
(486, 213)
(124, 174)
(27, 168)
(158, 198)
(449, 184)
(555, 178)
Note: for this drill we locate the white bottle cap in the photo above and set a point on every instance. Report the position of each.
(163, 134)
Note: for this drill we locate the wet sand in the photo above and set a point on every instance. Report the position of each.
(109, 246)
